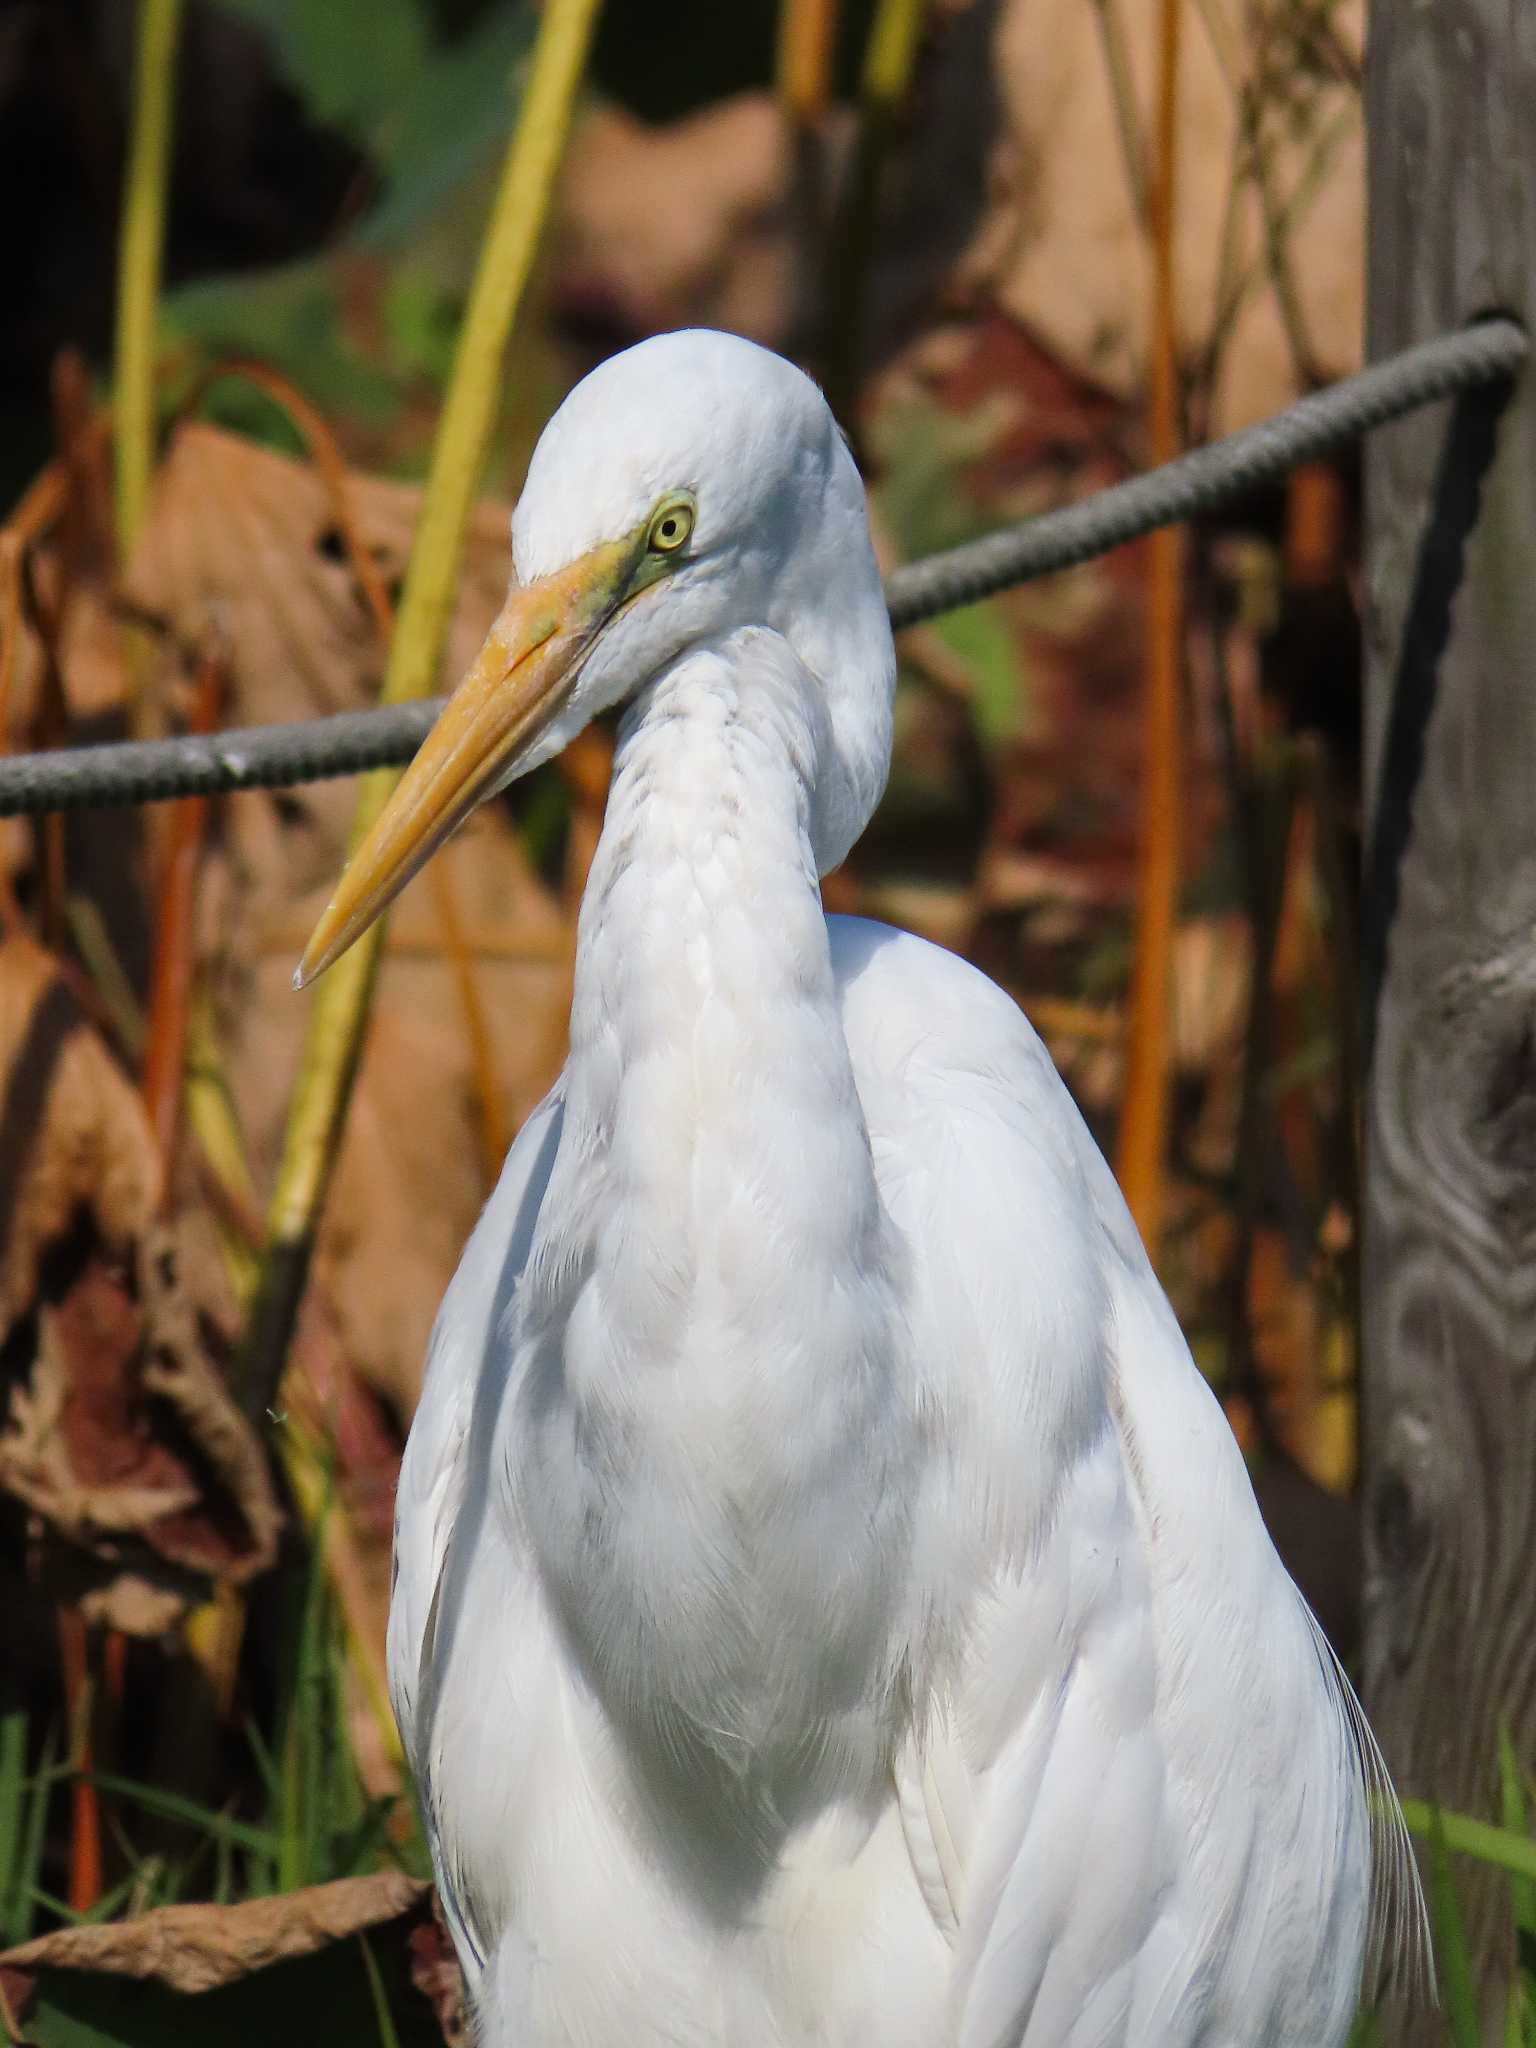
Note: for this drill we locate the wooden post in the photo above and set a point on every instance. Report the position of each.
(1449, 935)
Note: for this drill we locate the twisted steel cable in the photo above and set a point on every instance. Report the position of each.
(261, 757)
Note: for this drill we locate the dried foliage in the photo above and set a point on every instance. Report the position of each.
(199, 1948)
(303, 1962)
(298, 640)
(988, 339)
(120, 1435)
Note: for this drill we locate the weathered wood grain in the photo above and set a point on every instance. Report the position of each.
(1450, 932)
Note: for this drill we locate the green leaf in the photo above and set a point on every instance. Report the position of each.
(429, 114)
(1366, 2031)
(174, 1807)
(1515, 2013)
(23, 1848)
(351, 60)
(13, 1793)
(1468, 1837)
(449, 122)
(1513, 1813)
(980, 637)
(388, 2038)
(1458, 1993)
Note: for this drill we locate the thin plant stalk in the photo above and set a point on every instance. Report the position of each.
(803, 61)
(803, 82)
(214, 1631)
(341, 1003)
(85, 1810)
(890, 56)
(170, 997)
(327, 457)
(890, 59)
(1144, 1118)
(330, 1529)
(383, 2020)
(1122, 99)
(140, 246)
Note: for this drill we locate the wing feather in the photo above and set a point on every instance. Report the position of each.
(462, 1386)
(1142, 1812)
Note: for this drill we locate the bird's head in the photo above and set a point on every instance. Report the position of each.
(690, 486)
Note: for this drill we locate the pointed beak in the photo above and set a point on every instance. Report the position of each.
(520, 680)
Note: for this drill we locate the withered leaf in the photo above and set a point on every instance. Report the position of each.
(436, 1974)
(684, 224)
(197, 1948)
(1065, 248)
(252, 537)
(73, 1133)
(116, 1427)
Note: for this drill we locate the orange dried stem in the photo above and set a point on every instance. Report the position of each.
(1144, 1117)
(803, 71)
(325, 450)
(84, 1810)
(1314, 525)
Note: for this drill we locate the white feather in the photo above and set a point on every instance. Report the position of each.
(830, 1607)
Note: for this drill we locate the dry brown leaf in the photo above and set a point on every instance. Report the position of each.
(90, 656)
(199, 1948)
(1063, 248)
(682, 224)
(436, 1974)
(119, 1432)
(251, 537)
(73, 1135)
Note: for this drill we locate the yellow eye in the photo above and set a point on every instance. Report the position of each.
(671, 524)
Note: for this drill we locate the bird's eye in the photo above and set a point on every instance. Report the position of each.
(671, 524)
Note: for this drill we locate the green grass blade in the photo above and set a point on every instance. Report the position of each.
(27, 1864)
(71, 1916)
(1457, 1987)
(172, 1806)
(1515, 2013)
(388, 2038)
(300, 1825)
(358, 1849)
(341, 1001)
(1477, 1838)
(1515, 1816)
(13, 1798)
(140, 247)
(266, 1764)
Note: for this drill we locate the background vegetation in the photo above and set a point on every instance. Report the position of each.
(294, 287)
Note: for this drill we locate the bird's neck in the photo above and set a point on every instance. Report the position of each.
(716, 1445)
(707, 1057)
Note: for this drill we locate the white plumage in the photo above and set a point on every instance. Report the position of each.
(830, 1607)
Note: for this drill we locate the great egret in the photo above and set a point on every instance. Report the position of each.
(830, 1609)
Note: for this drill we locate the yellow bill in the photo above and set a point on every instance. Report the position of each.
(519, 681)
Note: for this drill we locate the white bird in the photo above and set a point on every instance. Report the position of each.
(830, 1609)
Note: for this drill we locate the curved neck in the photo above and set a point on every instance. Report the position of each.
(714, 1296)
(707, 1055)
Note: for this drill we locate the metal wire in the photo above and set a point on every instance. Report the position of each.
(260, 757)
